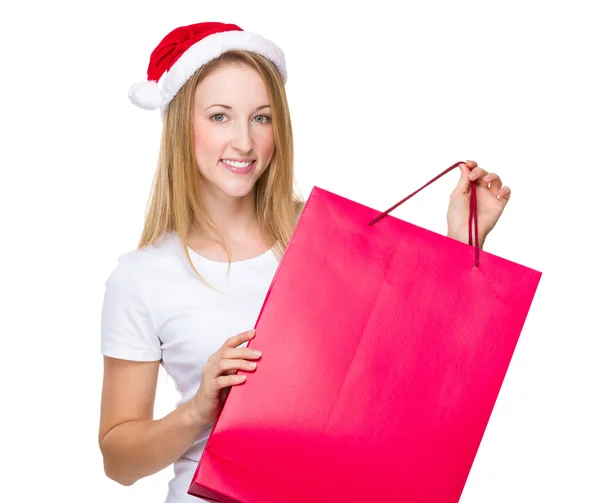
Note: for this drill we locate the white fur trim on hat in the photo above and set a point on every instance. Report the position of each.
(145, 95)
(208, 49)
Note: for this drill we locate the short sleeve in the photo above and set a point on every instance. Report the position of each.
(128, 329)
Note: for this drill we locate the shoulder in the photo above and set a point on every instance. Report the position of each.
(152, 255)
(128, 324)
(138, 266)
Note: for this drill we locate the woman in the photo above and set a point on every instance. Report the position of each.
(222, 212)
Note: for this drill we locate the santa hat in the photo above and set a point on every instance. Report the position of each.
(187, 48)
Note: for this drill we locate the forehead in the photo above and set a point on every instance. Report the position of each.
(233, 84)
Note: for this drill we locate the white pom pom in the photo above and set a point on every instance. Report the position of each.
(145, 95)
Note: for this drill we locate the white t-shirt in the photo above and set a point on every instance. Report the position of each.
(156, 308)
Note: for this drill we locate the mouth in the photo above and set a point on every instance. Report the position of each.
(239, 166)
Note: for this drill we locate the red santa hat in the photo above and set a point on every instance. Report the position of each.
(187, 48)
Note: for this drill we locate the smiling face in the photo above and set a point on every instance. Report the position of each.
(232, 130)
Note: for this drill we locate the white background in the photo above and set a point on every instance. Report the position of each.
(384, 96)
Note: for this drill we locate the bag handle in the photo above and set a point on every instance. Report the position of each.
(472, 210)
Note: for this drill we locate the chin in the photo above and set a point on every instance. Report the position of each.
(230, 184)
(237, 188)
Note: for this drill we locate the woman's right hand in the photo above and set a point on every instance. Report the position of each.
(219, 374)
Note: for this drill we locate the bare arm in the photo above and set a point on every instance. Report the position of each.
(133, 444)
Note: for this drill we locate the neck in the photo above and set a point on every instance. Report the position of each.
(235, 217)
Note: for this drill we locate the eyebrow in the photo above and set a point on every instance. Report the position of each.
(229, 108)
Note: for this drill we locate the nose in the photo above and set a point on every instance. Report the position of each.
(242, 140)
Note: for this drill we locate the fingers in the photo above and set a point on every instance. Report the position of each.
(230, 349)
(212, 383)
(490, 180)
(228, 361)
(236, 340)
(221, 373)
(229, 380)
(504, 193)
(482, 178)
(221, 368)
(493, 180)
(241, 354)
(495, 186)
(477, 174)
(225, 365)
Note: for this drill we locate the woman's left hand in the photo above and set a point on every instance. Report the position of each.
(491, 202)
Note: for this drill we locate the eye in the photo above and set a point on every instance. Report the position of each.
(218, 117)
(262, 119)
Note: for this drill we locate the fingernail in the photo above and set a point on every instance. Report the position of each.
(241, 377)
(252, 364)
(257, 353)
(472, 176)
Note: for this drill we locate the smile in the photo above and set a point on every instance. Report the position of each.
(237, 164)
(239, 167)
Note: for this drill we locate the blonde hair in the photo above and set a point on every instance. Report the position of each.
(175, 203)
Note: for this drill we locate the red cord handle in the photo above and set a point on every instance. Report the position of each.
(472, 210)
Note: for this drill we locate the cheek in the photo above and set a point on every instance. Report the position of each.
(208, 141)
(266, 142)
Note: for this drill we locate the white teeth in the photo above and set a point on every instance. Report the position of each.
(238, 164)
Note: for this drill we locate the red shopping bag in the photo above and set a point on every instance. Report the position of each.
(384, 349)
